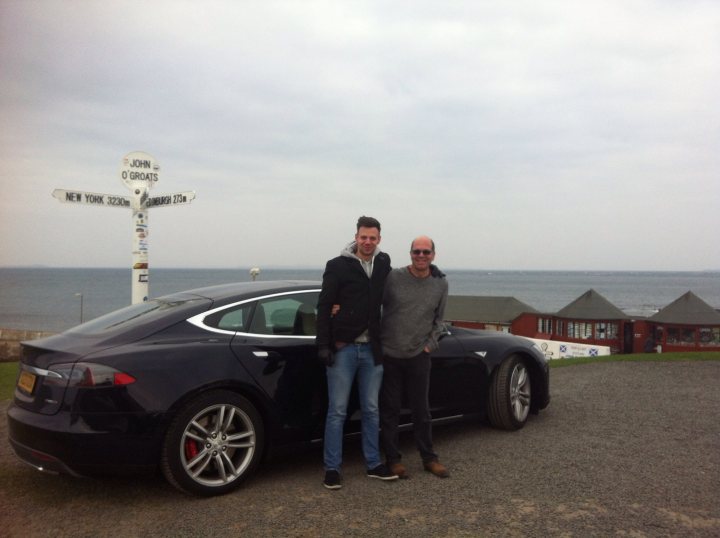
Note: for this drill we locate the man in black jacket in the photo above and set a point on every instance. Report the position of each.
(348, 340)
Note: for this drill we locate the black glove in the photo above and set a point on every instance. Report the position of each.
(326, 356)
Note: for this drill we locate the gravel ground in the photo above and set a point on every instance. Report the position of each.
(624, 449)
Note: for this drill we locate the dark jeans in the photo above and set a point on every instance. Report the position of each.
(412, 375)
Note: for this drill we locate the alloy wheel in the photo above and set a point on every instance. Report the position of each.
(520, 392)
(218, 445)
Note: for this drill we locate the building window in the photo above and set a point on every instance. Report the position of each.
(606, 331)
(681, 336)
(544, 325)
(579, 330)
(560, 327)
(688, 336)
(710, 336)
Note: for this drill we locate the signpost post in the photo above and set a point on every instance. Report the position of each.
(139, 172)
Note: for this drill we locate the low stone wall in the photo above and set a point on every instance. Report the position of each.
(10, 342)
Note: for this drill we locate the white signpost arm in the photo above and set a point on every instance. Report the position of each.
(91, 198)
(165, 200)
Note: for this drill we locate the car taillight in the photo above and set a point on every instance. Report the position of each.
(83, 374)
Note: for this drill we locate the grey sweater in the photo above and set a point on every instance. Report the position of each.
(412, 313)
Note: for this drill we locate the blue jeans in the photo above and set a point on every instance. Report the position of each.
(352, 360)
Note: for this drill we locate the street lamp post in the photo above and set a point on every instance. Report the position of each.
(81, 305)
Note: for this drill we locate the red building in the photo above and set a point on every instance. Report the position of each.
(686, 324)
(487, 312)
(592, 319)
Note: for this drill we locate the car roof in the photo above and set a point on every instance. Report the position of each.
(225, 293)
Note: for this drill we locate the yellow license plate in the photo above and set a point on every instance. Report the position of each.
(26, 382)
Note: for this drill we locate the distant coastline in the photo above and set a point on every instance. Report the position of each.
(52, 298)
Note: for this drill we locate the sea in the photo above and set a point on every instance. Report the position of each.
(56, 299)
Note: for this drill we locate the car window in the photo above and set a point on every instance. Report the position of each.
(234, 319)
(292, 315)
(134, 316)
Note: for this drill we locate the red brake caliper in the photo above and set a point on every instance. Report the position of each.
(191, 449)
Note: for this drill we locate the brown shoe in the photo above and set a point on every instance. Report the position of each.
(436, 468)
(399, 469)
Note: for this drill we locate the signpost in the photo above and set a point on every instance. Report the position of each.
(139, 172)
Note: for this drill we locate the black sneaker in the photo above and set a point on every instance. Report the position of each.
(382, 472)
(332, 480)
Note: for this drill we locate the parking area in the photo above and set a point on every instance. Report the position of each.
(624, 449)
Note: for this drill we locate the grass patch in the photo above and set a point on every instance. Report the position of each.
(8, 375)
(641, 357)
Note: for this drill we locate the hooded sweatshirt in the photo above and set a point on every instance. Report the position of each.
(357, 287)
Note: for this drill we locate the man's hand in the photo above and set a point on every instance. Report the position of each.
(326, 356)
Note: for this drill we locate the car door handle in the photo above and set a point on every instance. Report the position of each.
(267, 355)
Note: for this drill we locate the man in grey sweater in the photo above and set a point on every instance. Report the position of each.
(413, 307)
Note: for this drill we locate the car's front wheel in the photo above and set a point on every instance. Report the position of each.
(213, 444)
(510, 394)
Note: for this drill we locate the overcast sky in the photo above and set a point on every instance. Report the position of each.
(519, 135)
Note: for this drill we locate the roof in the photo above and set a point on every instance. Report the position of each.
(222, 293)
(485, 309)
(591, 305)
(688, 309)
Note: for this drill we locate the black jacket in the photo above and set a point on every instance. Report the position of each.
(346, 283)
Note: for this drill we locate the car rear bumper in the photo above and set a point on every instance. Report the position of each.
(68, 444)
(40, 461)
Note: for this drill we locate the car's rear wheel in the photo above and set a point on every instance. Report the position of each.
(510, 394)
(213, 444)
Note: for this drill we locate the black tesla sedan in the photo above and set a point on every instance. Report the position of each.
(205, 383)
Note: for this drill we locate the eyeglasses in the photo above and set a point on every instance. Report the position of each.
(425, 252)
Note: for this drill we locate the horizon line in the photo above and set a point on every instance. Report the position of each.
(321, 268)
